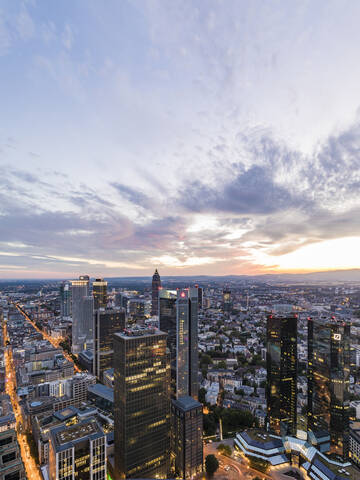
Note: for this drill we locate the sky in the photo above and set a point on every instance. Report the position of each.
(210, 137)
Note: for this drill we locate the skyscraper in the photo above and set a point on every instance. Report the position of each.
(328, 384)
(187, 343)
(65, 299)
(107, 321)
(167, 323)
(200, 296)
(281, 387)
(227, 304)
(186, 437)
(80, 310)
(156, 285)
(141, 403)
(100, 293)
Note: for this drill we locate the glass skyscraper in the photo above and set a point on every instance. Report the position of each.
(167, 323)
(82, 312)
(99, 293)
(156, 285)
(281, 386)
(187, 359)
(107, 321)
(141, 404)
(328, 384)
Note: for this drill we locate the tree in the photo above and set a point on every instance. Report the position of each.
(202, 395)
(222, 364)
(225, 449)
(211, 465)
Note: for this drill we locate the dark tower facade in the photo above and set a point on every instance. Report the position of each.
(187, 359)
(167, 323)
(107, 321)
(141, 404)
(328, 384)
(186, 437)
(156, 285)
(281, 387)
(100, 293)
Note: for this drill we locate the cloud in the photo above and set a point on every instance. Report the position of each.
(25, 25)
(67, 37)
(132, 195)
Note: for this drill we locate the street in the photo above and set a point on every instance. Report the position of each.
(31, 468)
(229, 467)
(54, 343)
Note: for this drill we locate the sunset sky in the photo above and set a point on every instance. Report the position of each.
(199, 137)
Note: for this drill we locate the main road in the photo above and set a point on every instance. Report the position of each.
(32, 470)
(47, 337)
(235, 469)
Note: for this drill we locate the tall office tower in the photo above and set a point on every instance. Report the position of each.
(187, 358)
(141, 403)
(281, 386)
(156, 285)
(99, 293)
(200, 296)
(79, 290)
(186, 437)
(167, 323)
(107, 321)
(77, 451)
(227, 304)
(328, 384)
(65, 299)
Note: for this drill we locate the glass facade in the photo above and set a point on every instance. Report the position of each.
(186, 437)
(100, 293)
(328, 382)
(156, 285)
(227, 304)
(187, 343)
(141, 404)
(167, 323)
(281, 387)
(107, 321)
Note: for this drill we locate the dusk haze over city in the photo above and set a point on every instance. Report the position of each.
(179, 239)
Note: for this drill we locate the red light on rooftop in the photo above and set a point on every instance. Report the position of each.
(182, 294)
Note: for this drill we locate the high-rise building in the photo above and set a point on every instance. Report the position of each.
(328, 384)
(65, 299)
(77, 451)
(200, 296)
(11, 465)
(100, 293)
(156, 285)
(107, 321)
(281, 386)
(227, 303)
(187, 359)
(186, 437)
(167, 323)
(141, 404)
(80, 312)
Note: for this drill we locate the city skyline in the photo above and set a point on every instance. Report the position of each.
(197, 139)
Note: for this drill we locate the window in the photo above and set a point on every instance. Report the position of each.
(8, 457)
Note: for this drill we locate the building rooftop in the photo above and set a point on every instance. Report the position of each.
(102, 391)
(137, 331)
(65, 437)
(186, 403)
